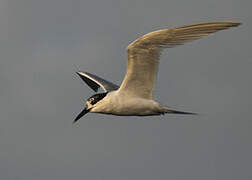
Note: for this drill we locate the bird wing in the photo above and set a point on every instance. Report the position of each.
(144, 52)
(95, 82)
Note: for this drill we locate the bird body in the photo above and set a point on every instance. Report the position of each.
(135, 95)
(118, 103)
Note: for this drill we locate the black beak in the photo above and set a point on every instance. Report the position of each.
(82, 113)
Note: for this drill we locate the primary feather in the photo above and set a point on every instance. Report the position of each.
(144, 53)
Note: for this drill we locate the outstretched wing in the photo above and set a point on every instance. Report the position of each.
(143, 54)
(95, 82)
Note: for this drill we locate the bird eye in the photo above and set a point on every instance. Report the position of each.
(91, 99)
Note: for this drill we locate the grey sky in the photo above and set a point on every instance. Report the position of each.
(42, 42)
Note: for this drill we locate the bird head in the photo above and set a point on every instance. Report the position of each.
(90, 103)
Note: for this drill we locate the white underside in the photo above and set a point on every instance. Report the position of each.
(125, 105)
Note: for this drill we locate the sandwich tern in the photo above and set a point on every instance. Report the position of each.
(135, 95)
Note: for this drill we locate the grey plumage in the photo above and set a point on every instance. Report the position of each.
(135, 95)
(144, 53)
(95, 82)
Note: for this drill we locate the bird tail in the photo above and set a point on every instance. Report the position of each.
(171, 111)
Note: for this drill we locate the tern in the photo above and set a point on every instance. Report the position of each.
(135, 95)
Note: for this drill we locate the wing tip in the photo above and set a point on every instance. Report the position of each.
(234, 23)
(85, 77)
(80, 73)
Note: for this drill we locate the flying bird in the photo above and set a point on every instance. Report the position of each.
(135, 95)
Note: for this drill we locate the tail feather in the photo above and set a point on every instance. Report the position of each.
(170, 111)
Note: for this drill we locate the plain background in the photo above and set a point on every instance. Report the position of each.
(43, 43)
